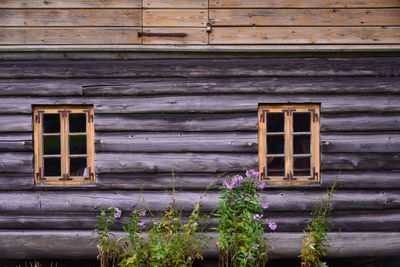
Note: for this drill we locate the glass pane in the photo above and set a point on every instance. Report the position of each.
(275, 144)
(301, 166)
(77, 167)
(77, 123)
(301, 121)
(51, 123)
(275, 166)
(77, 144)
(275, 122)
(52, 166)
(51, 145)
(301, 144)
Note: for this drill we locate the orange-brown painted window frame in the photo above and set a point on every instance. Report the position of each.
(65, 177)
(288, 178)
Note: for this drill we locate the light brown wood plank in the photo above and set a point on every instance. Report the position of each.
(195, 36)
(305, 35)
(70, 4)
(175, 3)
(303, 3)
(10, 36)
(180, 18)
(305, 17)
(70, 17)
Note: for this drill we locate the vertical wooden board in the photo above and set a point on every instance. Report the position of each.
(194, 36)
(70, 4)
(305, 35)
(173, 17)
(175, 4)
(70, 17)
(70, 36)
(302, 3)
(305, 17)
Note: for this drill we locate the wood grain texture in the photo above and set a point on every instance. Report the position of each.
(71, 17)
(194, 36)
(305, 17)
(305, 35)
(189, 86)
(175, 4)
(70, 4)
(81, 35)
(302, 4)
(209, 103)
(173, 68)
(175, 18)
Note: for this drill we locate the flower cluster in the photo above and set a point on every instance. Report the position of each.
(235, 181)
(140, 213)
(117, 213)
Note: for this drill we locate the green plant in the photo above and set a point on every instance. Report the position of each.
(109, 247)
(315, 233)
(240, 227)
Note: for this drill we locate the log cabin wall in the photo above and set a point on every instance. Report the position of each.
(198, 117)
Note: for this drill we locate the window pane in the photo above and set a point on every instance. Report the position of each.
(77, 167)
(77, 123)
(52, 166)
(301, 121)
(301, 144)
(275, 144)
(51, 145)
(275, 166)
(301, 167)
(77, 144)
(275, 122)
(51, 123)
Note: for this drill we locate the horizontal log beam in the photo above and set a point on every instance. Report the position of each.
(237, 67)
(209, 103)
(79, 245)
(280, 200)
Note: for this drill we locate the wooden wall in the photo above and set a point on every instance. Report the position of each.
(198, 117)
(117, 22)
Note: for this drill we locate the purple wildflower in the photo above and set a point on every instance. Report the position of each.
(134, 211)
(255, 247)
(117, 213)
(233, 182)
(261, 185)
(247, 255)
(272, 225)
(265, 205)
(142, 213)
(257, 217)
(252, 174)
(141, 224)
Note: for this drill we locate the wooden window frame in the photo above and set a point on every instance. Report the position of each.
(64, 111)
(288, 111)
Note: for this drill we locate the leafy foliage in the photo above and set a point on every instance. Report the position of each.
(315, 234)
(240, 228)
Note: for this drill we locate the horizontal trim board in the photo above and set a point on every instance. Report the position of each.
(189, 86)
(81, 35)
(199, 181)
(211, 142)
(305, 35)
(70, 4)
(213, 123)
(175, 4)
(302, 3)
(71, 17)
(305, 17)
(232, 67)
(208, 103)
(175, 18)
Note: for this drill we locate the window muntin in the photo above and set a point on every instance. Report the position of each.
(288, 143)
(64, 145)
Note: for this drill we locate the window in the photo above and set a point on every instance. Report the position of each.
(64, 145)
(288, 143)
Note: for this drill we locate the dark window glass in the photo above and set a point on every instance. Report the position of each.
(275, 122)
(51, 123)
(52, 166)
(51, 145)
(77, 167)
(301, 144)
(301, 166)
(275, 166)
(301, 121)
(77, 123)
(77, 144)
(275, 144)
